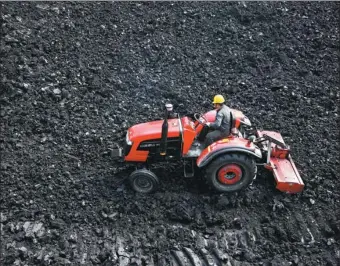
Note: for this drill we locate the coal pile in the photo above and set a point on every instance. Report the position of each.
(75, 76)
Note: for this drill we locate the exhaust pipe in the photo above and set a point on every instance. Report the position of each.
(164, 138)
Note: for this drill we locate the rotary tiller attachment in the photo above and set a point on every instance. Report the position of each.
(280, 162)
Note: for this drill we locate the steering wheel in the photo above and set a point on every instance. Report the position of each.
(199, 118)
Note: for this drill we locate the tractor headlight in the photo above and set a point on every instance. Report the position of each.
(128, 141)
(246, 121)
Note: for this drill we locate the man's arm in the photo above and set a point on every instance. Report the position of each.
(217, 122)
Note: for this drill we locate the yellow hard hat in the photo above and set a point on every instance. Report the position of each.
(218, 99)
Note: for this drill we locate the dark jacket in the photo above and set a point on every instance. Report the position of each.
(222, 122)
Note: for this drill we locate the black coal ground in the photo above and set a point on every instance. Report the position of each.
(75, 76)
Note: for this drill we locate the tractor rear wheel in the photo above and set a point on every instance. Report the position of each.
(231, 172)
(143, 181)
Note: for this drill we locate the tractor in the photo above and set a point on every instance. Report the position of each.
(228, 165)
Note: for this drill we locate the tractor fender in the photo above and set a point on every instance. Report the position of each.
(224, 146)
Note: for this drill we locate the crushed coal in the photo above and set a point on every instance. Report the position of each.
(75, 76)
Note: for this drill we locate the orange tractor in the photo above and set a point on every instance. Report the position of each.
(229, 164)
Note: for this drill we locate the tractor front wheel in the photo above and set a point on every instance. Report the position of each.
(143, 181)
(231, 172)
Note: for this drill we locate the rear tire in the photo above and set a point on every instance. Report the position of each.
(231, 172)
(143, 181)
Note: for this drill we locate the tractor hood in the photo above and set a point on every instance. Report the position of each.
(153, 130)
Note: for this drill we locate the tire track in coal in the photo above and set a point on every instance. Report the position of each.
(215, 252)
(304, 228)
(210, 251)
(228, 247)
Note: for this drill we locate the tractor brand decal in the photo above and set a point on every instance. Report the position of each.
(147, 145)
(151, 145)
(173, 151)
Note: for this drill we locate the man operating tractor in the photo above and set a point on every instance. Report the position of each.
(221, 126)
(234, 148)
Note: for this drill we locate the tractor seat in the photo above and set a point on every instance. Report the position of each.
(232, 122)
(233, 130)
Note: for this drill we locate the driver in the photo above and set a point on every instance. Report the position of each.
(221, 126)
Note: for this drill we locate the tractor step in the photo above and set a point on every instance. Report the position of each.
(286, 175)
(191, 171)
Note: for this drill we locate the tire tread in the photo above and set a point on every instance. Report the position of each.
(237, 157)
